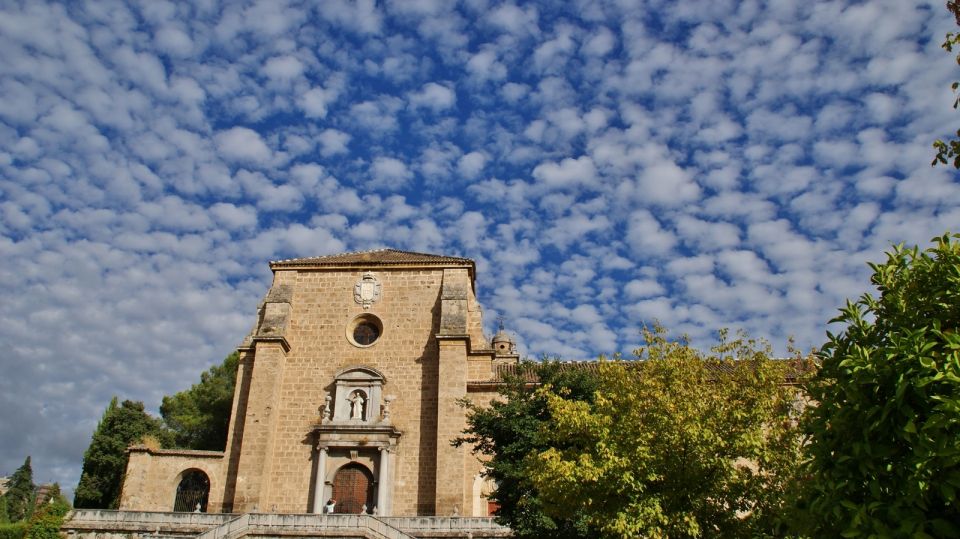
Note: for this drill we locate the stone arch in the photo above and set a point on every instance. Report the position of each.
(483, 487)
(353, 489)
(192, 492)
(364, 371)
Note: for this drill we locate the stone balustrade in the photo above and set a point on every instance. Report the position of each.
(101, 524)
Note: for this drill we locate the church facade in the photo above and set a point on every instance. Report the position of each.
(346, 398)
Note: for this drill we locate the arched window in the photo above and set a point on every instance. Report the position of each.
(192, 492)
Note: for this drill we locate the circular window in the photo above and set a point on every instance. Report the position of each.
(364, 330)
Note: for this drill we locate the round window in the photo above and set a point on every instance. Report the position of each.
(364, 330)
(365, 333)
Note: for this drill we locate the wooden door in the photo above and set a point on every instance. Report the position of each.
(353, 488)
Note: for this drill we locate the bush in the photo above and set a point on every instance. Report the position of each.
(46, 522)
(17, 530)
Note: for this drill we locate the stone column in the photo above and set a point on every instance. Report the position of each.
(318, 485)
(384, 484)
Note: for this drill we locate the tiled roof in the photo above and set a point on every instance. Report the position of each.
(527, 371)
(376, 257)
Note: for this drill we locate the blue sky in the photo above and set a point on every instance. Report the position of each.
(707, 164)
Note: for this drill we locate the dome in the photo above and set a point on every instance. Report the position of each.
(504, 343)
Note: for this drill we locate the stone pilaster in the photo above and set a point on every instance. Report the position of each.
(453, 345)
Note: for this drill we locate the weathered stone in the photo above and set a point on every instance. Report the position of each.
(328, 384)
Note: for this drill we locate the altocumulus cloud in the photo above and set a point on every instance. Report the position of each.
(607, 164)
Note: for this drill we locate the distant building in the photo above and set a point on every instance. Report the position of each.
(347, 390)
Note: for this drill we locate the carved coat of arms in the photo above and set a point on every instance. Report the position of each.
(367, 290)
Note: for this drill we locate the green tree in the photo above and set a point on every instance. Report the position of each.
(679, 444)
(105, 460)
(21, 493)
(46, 521)
(949, 151)
(199, 417)
(884, 454)
(4, 517)
(508, 429)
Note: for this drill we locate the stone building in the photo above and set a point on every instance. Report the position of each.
(347, 390)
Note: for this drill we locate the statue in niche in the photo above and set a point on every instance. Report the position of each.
(356, 405)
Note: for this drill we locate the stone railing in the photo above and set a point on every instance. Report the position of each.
(100, 524)
(80, 520)
(476, 527)
(308, 525)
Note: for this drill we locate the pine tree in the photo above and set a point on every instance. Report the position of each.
(199, 417)
(20, 494)
(105, 461)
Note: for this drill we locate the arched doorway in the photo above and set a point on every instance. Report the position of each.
(353, 489)
(192, 492)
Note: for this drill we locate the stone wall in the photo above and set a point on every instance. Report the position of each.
(291, 386)
(153, 475)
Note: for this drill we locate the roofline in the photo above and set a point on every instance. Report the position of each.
(320, 264)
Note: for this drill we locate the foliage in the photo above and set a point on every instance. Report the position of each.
(509, 429)
(199, 416)
(676, 445)
(105, 460)
(4, 518)
(949, 151)
(20, 493)
(46, 522)
(884, 457)
(16, 530)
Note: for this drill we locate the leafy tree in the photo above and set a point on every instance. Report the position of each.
(105, 460)
(4, 518)
(679, 444)
(199, 416)
(884, 457)
(949, 151)
(46, 521)
(507, 430)
(20, 493)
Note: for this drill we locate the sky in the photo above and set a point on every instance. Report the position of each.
(607, 164)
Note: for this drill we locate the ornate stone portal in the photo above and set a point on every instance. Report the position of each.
(354, 444)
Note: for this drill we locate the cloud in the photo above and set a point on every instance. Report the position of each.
(470, 165)
(705, 163)
(241, 144)
(389, 173)
(567, 173)
(433, 96)
(333, 142)
(283, 67)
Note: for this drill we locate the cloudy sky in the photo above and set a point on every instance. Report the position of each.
(716, 163)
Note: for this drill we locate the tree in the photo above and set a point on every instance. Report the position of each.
(949, 151)
(20, 493)
(46, 522)
(199, 417)
(679, 444)
(105, 460)
(507, 430)
(884, 457)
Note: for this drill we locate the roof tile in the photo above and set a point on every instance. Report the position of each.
(375, 257)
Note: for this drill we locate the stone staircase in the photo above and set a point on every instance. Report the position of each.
(102, 524)
(339, 526)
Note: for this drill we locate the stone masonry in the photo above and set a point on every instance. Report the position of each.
(348, 384)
